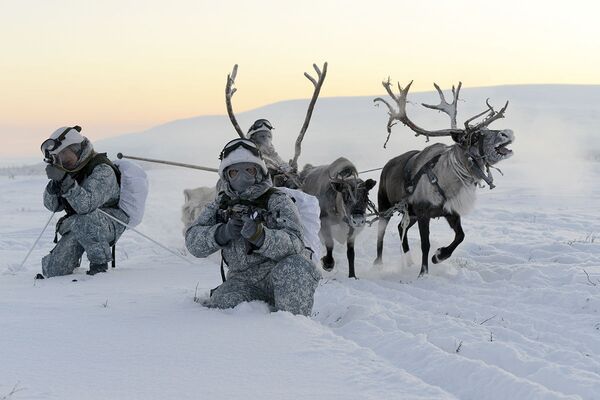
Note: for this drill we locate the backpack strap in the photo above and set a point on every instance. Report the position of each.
(427, 169)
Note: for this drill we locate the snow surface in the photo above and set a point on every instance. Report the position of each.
(511, 315)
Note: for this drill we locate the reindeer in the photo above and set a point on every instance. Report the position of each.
(283, 173)
(343, 198)
(440, 180)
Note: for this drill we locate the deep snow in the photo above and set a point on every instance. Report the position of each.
(514, 294)
(512, 315)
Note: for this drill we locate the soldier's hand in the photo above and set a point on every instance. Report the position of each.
(234, 227)
(229, 231)
(55, 173)
(67, 183)
(253, 231)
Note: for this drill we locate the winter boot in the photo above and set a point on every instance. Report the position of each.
(95, 268)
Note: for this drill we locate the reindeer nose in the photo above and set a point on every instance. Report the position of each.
(357, 220)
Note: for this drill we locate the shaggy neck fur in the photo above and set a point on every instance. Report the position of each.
(455, 179)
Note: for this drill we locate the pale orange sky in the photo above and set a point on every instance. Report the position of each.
(121, 66)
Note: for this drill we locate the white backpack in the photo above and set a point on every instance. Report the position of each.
(134, 190)
(308, 207)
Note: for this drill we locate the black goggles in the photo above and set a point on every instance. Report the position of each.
(259, 123)
(237, 143)
(53, 144)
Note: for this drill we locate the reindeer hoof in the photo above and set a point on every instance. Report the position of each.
(328, 264)
(378, 261)
(424, 271)
(439, 256)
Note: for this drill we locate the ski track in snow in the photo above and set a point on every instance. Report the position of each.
(510, 315)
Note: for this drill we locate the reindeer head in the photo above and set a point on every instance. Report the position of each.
(352, 198)
(489, 146)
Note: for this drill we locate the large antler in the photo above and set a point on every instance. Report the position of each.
(401, 116)
(317, 84)
(229, 91)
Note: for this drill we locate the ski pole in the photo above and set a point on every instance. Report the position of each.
(121, 155)
(144, 236)
(36, 241)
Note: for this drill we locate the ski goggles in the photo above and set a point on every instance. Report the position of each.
(250, 171)
(260, 123)
(50, 145)
(237, 143)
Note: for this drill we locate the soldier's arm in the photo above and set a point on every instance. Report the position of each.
(200, 236)
(52, 197)
(98, 188)
(287, 238)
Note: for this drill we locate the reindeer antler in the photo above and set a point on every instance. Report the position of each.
(229, 92)
(317, 84)
(493, 115)
(401, 116)
(444, 106)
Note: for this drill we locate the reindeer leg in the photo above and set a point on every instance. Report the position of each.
(424, 232)
(444, 253)
(381, 225)
(404, 239)
(350, 253)
(327, 260)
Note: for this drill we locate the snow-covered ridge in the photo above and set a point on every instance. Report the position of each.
(547, 114)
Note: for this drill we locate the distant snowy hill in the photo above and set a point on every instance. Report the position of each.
(556, 119)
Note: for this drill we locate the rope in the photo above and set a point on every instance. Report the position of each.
(401, 207)
(144, 236)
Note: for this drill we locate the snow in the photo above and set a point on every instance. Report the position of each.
(512, 314)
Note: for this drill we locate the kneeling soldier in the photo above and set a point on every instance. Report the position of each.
(259, 232)
(81, 182)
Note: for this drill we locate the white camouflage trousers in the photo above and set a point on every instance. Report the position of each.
(289, 286)
(90, 233)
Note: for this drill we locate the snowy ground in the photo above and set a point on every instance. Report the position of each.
(512, 315)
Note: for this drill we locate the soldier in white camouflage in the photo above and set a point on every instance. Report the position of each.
(81, 182)
(259, 232)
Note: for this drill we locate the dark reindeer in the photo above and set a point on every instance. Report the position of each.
(343, 198)
(440, 180)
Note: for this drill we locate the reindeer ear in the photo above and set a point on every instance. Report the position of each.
(370, 184)
(186, 195)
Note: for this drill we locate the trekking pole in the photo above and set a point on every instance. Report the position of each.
(121, 155)
(37, 240)
(144, 236)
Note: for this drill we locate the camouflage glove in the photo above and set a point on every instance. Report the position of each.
(53, 188)
(54, 173)
(67, 183)
(225, 233)
(253, 231)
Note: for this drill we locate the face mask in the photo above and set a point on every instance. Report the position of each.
(242, 176)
